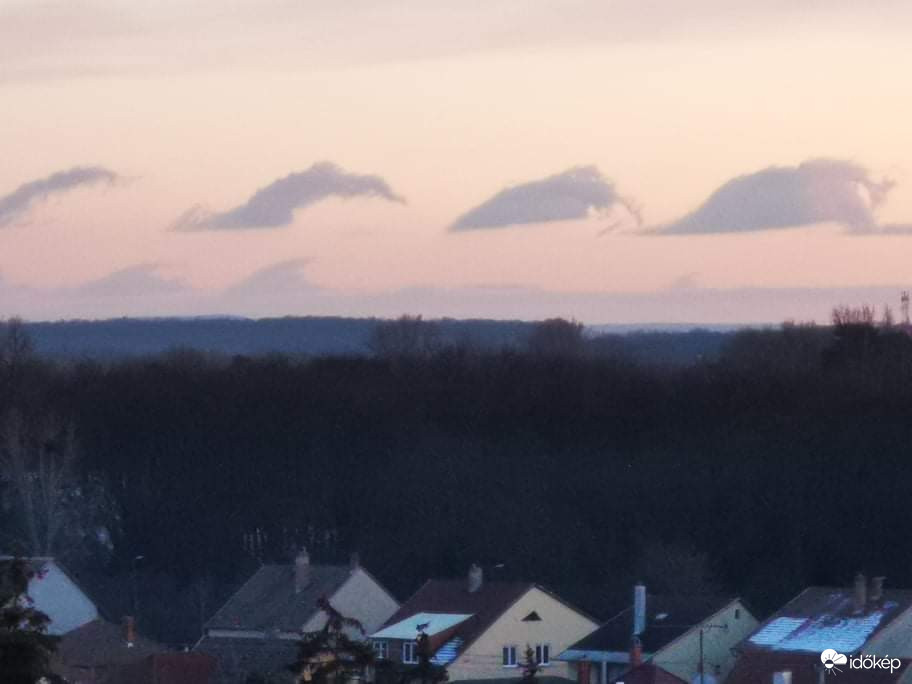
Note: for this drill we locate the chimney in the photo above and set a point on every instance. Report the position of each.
(639, 609)
(354, 561)
(301, 570)
(875, 595)
(636, 652)
(476, 577)
(859, 594)
(129, 630)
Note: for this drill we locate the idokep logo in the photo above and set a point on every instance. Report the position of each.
(831, 659)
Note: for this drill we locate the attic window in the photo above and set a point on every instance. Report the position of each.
(661, 616)
(532, 617)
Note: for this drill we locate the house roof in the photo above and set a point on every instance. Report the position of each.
(667, 618)
(268, 601)
(649, 673)
(453, 597)
(167, 668)
(758, 667)
(237, 658)
(432, 623)
(100, 642)
(823, 617)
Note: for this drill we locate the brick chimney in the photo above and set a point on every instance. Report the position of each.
(859, 594)
(875, 594)
(301, 570)
(129, 630)
(639, 609)
(636, 652)
(354, 561)
(476, 578)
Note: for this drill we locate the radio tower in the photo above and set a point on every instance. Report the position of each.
(904, 299)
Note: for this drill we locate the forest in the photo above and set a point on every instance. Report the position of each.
(780, 462)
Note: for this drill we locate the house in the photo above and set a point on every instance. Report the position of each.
(258, 629)
(170, 668)
(663, 640)
(865, 619)
(480, 630)
(91, 650)
(58, 595)
(97, 651)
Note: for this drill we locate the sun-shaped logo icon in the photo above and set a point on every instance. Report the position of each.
(831, 659)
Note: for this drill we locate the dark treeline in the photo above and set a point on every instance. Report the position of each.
(124, 338)
(783, 462)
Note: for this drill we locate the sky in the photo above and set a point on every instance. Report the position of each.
(617, 161)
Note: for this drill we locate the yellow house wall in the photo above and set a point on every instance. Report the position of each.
(682, 657)
(560, 626)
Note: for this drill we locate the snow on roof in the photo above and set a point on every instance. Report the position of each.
(447, 653)
(816, 634)
(434, 623)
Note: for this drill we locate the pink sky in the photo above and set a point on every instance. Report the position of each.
(201, 104)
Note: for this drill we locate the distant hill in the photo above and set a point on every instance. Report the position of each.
(335, 336)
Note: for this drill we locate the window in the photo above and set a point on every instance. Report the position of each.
(381, 650)
(410, 652)
(782, 677)
(737, 613)
(509, 656)
(543, 655)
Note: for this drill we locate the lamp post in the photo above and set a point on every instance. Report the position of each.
(134, 599)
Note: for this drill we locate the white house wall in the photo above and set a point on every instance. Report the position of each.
(721, 633)
(57, 595)
(559, 627)
(361, 598)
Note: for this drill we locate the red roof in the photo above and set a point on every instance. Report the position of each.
(648, 673)
(756, 667)
(171, 668)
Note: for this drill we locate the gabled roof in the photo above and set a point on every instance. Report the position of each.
(759, 667)
(667, 618)
(823, 617)
(99, 643)
(453, 597)
(268, 601)
(237, 658)
(649, 673)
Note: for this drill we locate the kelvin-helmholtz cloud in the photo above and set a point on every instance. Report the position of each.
(16, 204)
(816, 191)
(573, 194)
(274, 205)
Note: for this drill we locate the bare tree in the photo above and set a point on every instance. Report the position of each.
(887, 321)
(857, 315)
(15, 343)
(557, 337)
(675, 568)
(52, 511)
(405, 336)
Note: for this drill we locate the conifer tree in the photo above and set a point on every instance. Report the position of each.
(25, 646)
(425, 671)
(530, 666)
(330, 654)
